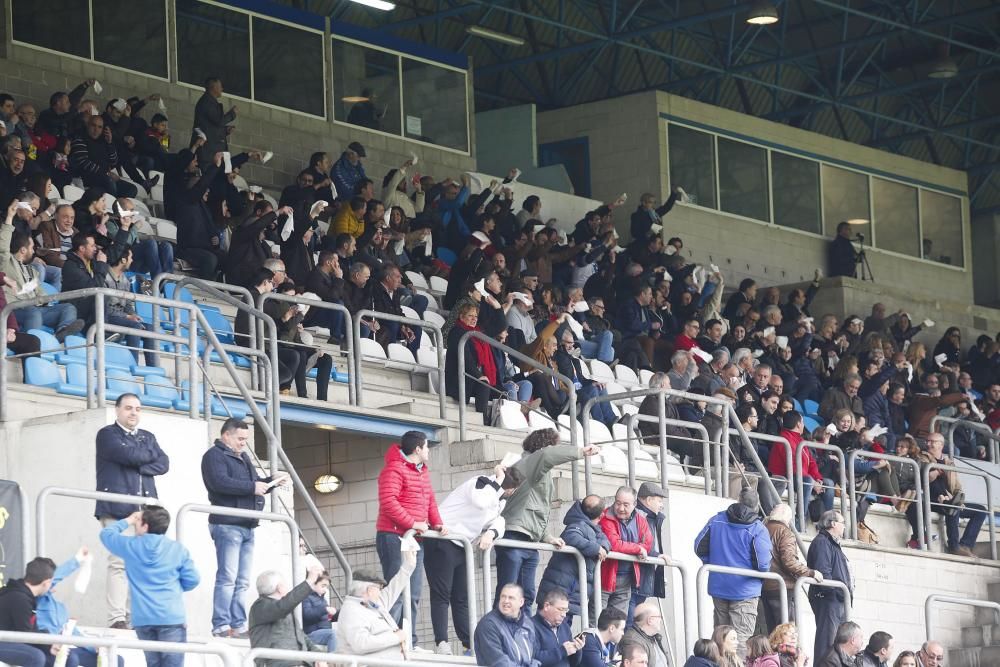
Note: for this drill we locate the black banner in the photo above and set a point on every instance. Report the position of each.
(11, 544)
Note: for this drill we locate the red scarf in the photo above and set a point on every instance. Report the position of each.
(484, 353)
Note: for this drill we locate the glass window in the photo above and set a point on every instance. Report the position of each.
(60, 25)
(131, 35)
(895, 221)
(366, 87)
(213, 42)
(941, 219)
(434, 108)
(692, 164)
(743, 179)
(845, 197)
(288, 67)
(795, 182)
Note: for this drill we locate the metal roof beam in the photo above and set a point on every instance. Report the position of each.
(956, 127)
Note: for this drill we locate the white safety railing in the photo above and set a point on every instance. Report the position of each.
(701, 583)
(226, 654)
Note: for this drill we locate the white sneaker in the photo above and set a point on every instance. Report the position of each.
(443, 648)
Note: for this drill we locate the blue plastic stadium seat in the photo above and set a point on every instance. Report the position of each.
(810, 423)
(50, 346)
(41, 372)
(121, 382)
(120, 357)
(446, 256)
(221, 326)
(76, 351)
(160, 392)
(810, 407)
(798, 406)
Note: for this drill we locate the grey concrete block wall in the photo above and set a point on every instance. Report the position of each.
(32, 75)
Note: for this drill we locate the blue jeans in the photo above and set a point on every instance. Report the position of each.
(600, 348)
(601, 411)
(153, 257)
(328, 319)
(417, 302)
(826, 495)
(326, 637)
(135, 342)
(86, 657)
(55, 316)
(518, 391)
(50, 274)
(23, 655)
(516, 566)
(387, 548)
(163, 633)
(234, 560)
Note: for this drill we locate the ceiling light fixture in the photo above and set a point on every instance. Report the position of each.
(943, 68)
(857, 221)
(763, 13)
(377, 4)
(495, 36)
(328, 484)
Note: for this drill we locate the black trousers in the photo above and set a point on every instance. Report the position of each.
(444, 563)
(829, 613)
(771, 602)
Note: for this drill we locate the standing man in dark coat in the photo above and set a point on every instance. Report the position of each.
(827, 557)
(652, 583)
(128, 461)
(210, 119)
(841, 255)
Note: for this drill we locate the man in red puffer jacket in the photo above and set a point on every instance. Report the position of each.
(628, 532)
(405, 501)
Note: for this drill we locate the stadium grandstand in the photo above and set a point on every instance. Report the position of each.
(538, 333)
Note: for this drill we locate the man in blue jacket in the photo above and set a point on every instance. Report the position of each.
(505, 637)
(231, 480)
(555, 645)
(736, 538)
(159, 572)
(128, 461)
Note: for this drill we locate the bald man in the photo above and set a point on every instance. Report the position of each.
(931, 654)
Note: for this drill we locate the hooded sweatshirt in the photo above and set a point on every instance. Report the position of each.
(735, 538)
(159, 571)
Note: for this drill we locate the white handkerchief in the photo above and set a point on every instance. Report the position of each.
(940, 358)
(266, 157)
(714, 267)
(288, 227)
(656, 229)
(575, 327)
(782, 341)
(408, 544)
(580, 307)
(413, 159)
(200, 133)
(523, 298)
(399, 246)
(768, 331)
(876, 431)
(29, 287)
(317, 208)
(94, 111)
(84, 573)
(98, 88)
(670, 250)
(481, 287)
(24, 206)
(928, 323)
(227, 161)
(256, 189)
(701, 354)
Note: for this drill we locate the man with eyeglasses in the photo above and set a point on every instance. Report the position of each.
(555, 645)
(845, 396)
(827, 557)
(931, 654)
(646, 635)
(628, 532)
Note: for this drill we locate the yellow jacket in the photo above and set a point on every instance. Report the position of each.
(346, 223)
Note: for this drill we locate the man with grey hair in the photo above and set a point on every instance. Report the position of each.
(744, 361)
(827, 557)
(277, 267)
(785, 561)
(679, 440)
(931, 654)
(712, 376)
(844, 396)
(628, 532)
(647, 634)
(847, 644)
(683, 369)
(272, 624)
(365, 626)
(736, 538)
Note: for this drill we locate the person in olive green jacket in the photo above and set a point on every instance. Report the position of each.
(527, 510)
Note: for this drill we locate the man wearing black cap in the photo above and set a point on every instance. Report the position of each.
(348, 170)
(651, 581)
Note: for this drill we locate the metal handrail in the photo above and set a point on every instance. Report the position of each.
(777, 439)
(799, 594)
(410, 321)
(524, 359)
(661, 418)
(926, 482)
(687, 596)
(922, 519)
(225, 653)
(324, 305)
(701, 584)
(42, 500)
(706, 449)
(956, 423)
(470, 577)
(799, 475)
(581, 566)
(339, 659)
(950, 599)
(293, 529)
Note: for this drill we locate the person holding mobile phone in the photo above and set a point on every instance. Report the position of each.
(600, 646)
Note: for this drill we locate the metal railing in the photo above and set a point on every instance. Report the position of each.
(524, 359)
(409, 321)
(226, 654)
(25, 524)
(635, 437)
(953, 424)
(352, 392)
(42, 501)
(799, 595)
(581, 566)
(799, 475)
(701, 587)
(950, 599)
(338, 659)
(470, 577)
(687, 596)
(660, 419)
(778, 440)
(852, 483)
(988, 511)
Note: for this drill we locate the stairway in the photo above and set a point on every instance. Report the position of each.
(980, 641)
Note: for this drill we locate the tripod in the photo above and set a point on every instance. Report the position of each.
(862, 260)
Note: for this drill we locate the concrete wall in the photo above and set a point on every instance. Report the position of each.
(507, 138)
(628, 153)
(32, 75)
